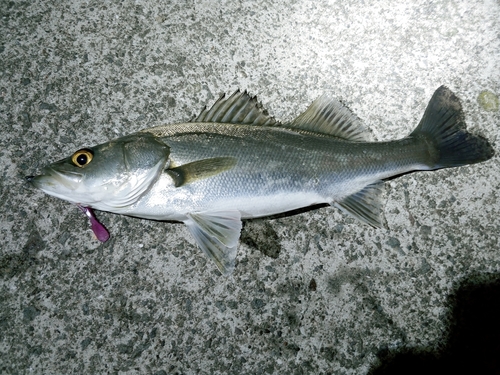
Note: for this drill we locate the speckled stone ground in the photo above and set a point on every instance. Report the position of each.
(314, 293)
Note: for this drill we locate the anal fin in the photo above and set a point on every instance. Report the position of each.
(217, 234)
(365, 205)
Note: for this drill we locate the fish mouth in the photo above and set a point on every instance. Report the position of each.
(52, 179)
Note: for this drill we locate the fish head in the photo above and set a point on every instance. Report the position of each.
(111, 176)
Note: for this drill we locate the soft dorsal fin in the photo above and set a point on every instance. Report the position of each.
(239, 108)
(328, 116)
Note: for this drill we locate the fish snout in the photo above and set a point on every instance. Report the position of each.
(33, 180)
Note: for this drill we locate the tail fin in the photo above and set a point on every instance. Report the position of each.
(443, 124)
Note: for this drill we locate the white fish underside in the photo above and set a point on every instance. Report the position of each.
(235, 162)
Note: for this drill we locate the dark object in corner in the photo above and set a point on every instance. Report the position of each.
(473, 345)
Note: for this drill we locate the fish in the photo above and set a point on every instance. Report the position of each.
(235, 162)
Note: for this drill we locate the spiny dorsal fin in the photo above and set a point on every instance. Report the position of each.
(328, 116)
(239, 108)
(365, 205)
(200, 169)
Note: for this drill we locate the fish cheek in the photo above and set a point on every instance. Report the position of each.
(103, 176)
(133, 172)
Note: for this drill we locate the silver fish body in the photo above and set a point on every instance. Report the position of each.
(275, 170)
(235, 162)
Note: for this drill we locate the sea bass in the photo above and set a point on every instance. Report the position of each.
(236, 162)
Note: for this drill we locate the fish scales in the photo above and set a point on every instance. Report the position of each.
(274, 161)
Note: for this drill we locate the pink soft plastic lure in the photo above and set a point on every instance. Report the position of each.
(99, 230)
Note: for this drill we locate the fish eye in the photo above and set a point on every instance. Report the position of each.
(82, 157)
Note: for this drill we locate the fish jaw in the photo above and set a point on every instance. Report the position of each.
(57, 184)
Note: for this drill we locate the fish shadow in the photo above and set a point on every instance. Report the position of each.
(473, 339)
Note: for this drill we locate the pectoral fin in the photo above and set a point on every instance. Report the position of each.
(365, 205)
(200, 169)
(217, 234)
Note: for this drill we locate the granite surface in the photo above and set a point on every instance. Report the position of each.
(313, 293)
